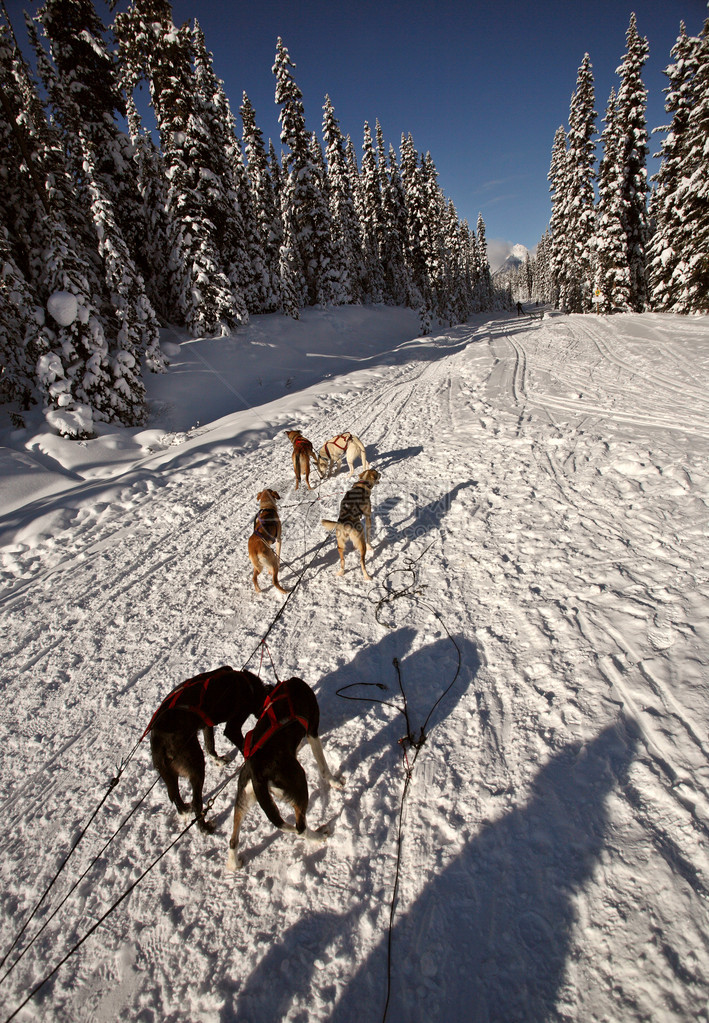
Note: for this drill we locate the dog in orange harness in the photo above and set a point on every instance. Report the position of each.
(197, 704)
(345, 445)
(302, 455)
(267, 532)
(289, 715)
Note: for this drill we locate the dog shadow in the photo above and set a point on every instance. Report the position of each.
(489, 936)
(420, 521)
(388, 458)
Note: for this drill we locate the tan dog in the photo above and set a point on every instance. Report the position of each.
(345, 445)
(267, 531)
(302, 454)
(356, 505)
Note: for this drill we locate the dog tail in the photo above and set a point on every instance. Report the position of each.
(328, 524)
(265, 800)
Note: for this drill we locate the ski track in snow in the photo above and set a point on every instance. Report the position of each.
(546, 482)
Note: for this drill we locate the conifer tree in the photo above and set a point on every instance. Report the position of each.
(303, 204)
(265, 206)
(612, 271)
(632, 130)
(580, 201)
(202, 297)
(560, 241)
(484, 281)
(346, 238)
(86, 98)
(371, 217)
(411, 178)
(397, 284)
(23, 340)
(434, 242)
(74, 376)
(91, 99)
(222, 183)
(679, 251)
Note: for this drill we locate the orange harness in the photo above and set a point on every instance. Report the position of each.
(271, 720)
(195, 708)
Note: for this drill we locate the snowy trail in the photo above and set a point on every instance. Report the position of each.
(545, 486)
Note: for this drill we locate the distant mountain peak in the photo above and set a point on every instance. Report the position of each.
(514, 259)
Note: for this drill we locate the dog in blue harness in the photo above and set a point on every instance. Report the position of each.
(267, 532)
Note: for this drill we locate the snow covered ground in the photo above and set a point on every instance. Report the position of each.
(543, 504)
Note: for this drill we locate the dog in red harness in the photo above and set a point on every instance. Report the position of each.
(302, 455)
(289, 715)
(267, 532)
(345, 445)
(198, 704)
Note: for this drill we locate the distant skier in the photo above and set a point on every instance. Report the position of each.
(520, 309)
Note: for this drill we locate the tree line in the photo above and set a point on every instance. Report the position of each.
(613, 244)
(105, 234)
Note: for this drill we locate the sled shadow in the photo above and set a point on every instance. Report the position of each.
(489, 936)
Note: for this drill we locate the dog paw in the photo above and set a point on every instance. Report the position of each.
(320, 834)
(340, 571)
(337, 781)
(234, 862)
(206, 827)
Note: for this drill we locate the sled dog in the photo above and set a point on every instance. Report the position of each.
(197, 704)
(356, 505)
(345, 445)
(290, 714)
(302, 454)
(267, 532)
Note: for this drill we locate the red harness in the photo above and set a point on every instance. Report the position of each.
(272, 720)
(300, 441)
(195, 708)
(341, 436)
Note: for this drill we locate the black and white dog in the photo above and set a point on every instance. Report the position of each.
(290, 714)
(198, 704)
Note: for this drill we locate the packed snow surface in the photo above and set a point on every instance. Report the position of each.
(539, 590)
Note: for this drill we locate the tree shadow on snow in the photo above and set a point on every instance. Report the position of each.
(488, 938)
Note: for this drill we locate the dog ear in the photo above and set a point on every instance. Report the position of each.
(258, 496)
(276, 495)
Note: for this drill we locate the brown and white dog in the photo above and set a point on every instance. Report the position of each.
(345, 445)
(356, 505)
(289, 715)
(198, 704)
(302, 454)
(267, 532)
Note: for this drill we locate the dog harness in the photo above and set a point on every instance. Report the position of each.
(299, 442)
(272, 720)
(173, 700)
(344, 437)
(261, 526)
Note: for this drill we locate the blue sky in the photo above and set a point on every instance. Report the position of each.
(482, 86)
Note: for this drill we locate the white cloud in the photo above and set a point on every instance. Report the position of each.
(497, 252)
